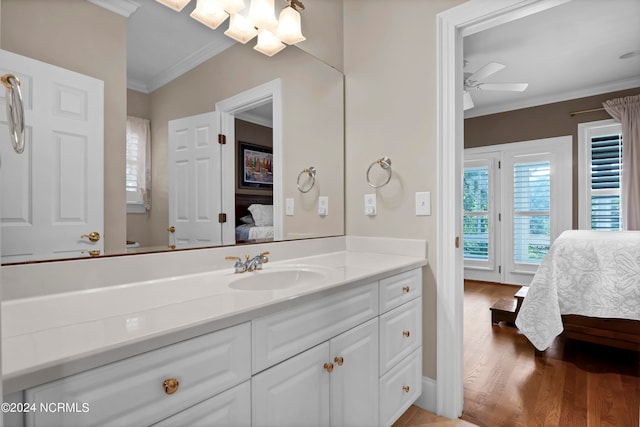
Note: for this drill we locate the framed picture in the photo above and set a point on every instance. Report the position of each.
(255, 166)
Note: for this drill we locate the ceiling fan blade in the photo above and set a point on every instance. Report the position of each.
(486, 71)
(507, 87)
(467, 101)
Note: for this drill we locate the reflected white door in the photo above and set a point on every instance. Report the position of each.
(52, 193)
(195, 180)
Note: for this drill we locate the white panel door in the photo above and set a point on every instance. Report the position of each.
(195, 180)
(354, 380)
(53, 193)
(294, 393)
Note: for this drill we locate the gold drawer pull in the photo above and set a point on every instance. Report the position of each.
(171, 385)
(339, 360)
(406, 289)
(406, 388)
(328, 367)
(406, 334)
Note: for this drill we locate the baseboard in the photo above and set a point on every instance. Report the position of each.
(427, 399)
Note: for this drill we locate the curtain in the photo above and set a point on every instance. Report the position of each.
(627, 111)
(140, 129)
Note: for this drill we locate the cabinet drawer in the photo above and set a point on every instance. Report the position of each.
(400, 387)
(400, 333)
(281, 335)
(131, 391)
(228, 409)
(396, 290)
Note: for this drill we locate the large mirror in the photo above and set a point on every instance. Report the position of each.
(80, 36)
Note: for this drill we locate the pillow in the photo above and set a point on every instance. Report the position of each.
(247, 219)
(262, 214)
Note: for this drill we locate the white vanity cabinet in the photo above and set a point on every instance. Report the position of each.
(400, 344)
(346, 357)
(147, 388)
(334, 383)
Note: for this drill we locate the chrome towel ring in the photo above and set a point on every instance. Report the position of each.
(385, 164)
(15, 111)
(311, 171)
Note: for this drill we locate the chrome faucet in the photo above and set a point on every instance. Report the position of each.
(247, 264)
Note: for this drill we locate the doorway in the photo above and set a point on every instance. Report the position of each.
(452, 26)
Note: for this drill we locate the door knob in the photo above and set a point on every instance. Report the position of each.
(94, 236)
(171, 229)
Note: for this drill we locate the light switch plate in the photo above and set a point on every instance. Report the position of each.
(370, 208)
(423, 203)
(323, 205)
(289, 207)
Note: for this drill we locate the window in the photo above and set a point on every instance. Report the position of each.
(600, 165)
(517, 200)
(138, 165)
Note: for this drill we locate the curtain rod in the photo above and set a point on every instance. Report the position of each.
(573, 113)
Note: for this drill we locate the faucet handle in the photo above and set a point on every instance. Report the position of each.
(263, 256)
(240, 267)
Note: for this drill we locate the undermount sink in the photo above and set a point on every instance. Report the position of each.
(269, 280)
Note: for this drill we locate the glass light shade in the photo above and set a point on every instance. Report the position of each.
(289, 28)
(176, 5)
(209, 13)
(268, 43)
(262, 15)
(233, 6)
(240, 29)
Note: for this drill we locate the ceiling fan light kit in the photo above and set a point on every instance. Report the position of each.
(245, 24)
(474, 81)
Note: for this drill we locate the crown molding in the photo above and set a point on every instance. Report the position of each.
(121, 7)
(556, 97)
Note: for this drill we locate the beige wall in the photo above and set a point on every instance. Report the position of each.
(544, 121)
(322, 25)
(312, 127)
(96, 46)
(390, 109)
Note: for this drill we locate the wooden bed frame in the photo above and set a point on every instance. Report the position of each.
(620, 333)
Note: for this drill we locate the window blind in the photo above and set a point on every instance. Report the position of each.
(606, 164)
(531, 211)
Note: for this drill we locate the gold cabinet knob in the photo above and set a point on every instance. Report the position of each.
(171, 385)
(406, 289)
(94, 236)
(328, 367)
(406, 388)
(339, 360)
(406, 334)
(171, 229)
(94, 253)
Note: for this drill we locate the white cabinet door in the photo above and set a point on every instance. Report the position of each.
(52, 193)
(195, 181)
(354, 380)
(294, 393)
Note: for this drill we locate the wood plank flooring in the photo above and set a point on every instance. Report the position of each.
(571, 384)
(507, 384)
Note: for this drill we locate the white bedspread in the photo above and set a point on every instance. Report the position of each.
(589, 273)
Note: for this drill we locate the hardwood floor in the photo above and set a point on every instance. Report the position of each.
(570, 384)
(507, 384)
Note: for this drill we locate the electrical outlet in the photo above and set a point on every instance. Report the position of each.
(289, 207)
(370, 205)
(323, 205)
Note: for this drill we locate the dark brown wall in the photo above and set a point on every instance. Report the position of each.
(544, 121)
(253, 134)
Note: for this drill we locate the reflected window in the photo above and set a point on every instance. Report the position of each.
(138, 168)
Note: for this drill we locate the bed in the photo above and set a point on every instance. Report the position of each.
(587, 288)
(254, 219)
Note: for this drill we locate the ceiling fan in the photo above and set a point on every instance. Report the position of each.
(474, 81)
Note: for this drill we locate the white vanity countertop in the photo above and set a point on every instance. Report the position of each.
(51, 336)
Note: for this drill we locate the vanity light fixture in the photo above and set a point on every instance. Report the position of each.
(244, 24)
